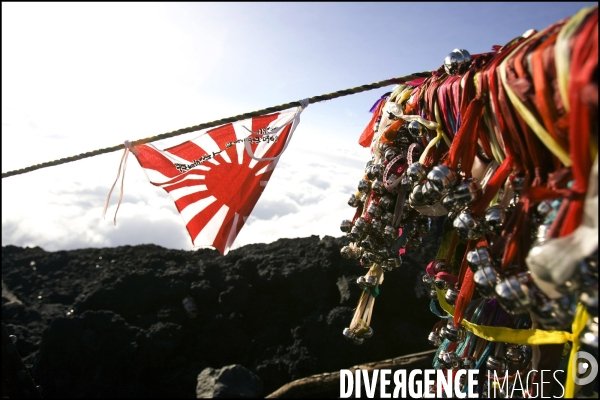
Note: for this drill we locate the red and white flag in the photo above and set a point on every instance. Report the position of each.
(216, 179)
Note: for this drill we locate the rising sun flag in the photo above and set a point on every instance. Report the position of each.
(216, 179)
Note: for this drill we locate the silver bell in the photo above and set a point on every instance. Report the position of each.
(431, 193)
(353, 201)
(355, 234)
(358, 341)
(368, 333)
(451, 296)
(390, 153)
(493, 219)
(371, 281)
(386, 202)
(361, 282)
(434, 339)
(373, 210)
(589, 335)
(387, 217)
(496, 364)
(374, 171)
(457, 62)
(417, 130)
(390, 232)
(479, 257)
(467, 227)
(449, 202)
(441, 284)
(376, 226)
(467, 193)
(449, 359)
(416, 172)
(428, 279)
(554, 313)
(513, 294)
(364, 198)
(406, 183)
(361, 224)
(367, 243)
(378, 187)
(363, 186)
(486, 279)
(433, 294)
(387, 266)
(514, 354)
(544, 209)
(453, 333)
(416, 197)
(442, 177)
(348, 333)
(346, 226)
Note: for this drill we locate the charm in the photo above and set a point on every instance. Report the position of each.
(346, 226)
(467, 193)
(453, 333)
(377, 186)
(442, 177)
(451, 296)
(373, 210)
(431, 193)
(386, 202)
(449, 359)
(353, 201)
(434, 339)
(513, 294)
(493, 219)
(416, 172)
(363, 186)
(479, 257)
(486, 279)
(467, 226)
(417, 130)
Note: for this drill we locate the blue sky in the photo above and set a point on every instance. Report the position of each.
(82, 76)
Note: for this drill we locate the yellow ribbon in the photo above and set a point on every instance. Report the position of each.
(581, 317)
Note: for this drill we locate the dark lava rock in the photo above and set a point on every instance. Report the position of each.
(232, 382)
(111, 322)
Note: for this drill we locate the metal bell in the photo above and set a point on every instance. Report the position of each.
(364, 197)
(554, 313)
(514, 354)
(371, 281)
(468, 363)
(406, 183)
(449, 359)
(453, 333)
(378, 187)
(542, 234)
(390, 232)
(457, 62)
(479, 257)
(438, 266)
(496, 364)
(428, 279)
(434, 339)
(513, 294)
(416, 172)
(451, 296)
(387, 217)
(449, 202)
(589, 335)
(544, 209)
(467, 227)
(516, 182)
(385, 202)
(358, 341)
(373, 210)
(361, 224)
(368, 333)
(384, 253)
(346, 226)
(355, 234)
(376, 226)
(361, 282)
(390, 153)
(387, 266)
(353, 201)
(431, 193)
(348, 333)
(417, 130)
(367, 243)
(433, 294)
(441, 284)
(486, 279)
(467, 193)
(442, 177)
(363, 186)
(493, 219)
(416, 197)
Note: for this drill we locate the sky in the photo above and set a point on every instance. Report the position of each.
(77, 77)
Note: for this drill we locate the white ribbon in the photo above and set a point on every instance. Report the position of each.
(123, 164)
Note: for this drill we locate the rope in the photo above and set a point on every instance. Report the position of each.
(223, 121)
